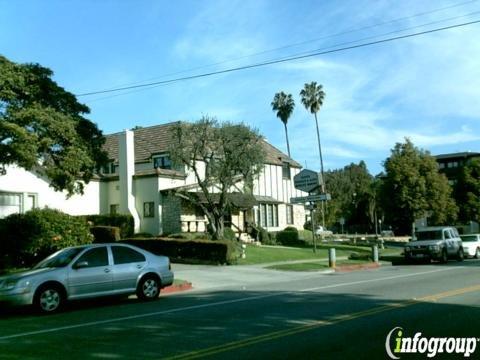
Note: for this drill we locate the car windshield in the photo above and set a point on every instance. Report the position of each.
(59, 259)
(469, 237)
(428, 235)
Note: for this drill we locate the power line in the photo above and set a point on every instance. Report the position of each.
(391, 21)
(277, 61)
(304, 53)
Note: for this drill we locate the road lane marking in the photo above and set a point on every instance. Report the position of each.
(224, 302)
(214, 350)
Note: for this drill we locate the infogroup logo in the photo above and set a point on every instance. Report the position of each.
(417, 344)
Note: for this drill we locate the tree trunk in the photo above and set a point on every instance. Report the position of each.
(286, 135)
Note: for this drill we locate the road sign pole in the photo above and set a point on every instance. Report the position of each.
(314, 236)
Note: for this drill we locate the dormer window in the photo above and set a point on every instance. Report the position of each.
(110, 168)
(162, 162)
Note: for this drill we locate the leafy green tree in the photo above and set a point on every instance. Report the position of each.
(283, 104)
(352, 197)
(223, 157)
(413, 188)
(467, 191)
(42, 128)
(312, 96)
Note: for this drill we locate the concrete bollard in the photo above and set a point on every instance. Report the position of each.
(375, 253)
(332, 258)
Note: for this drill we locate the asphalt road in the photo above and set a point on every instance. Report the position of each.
(282, 316)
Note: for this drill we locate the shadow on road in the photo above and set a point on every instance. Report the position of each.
(254, 324)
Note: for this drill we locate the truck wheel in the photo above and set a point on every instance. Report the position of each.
(444, 258)
(460, 255)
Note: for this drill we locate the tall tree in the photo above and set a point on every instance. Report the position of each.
(42, 128)
(413, 188)
(312, 96)
(352, 197)
(467, 191)
(223, 157)
(283, 104)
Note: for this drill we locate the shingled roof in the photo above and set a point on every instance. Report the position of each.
(156, 139)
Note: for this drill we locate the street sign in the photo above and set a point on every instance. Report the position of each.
(310, 198)
(307, 180)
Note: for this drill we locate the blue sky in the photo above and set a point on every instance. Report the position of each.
(425, 87)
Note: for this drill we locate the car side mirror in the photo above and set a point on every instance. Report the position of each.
(80, 265)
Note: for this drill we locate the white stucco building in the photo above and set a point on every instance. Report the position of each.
(138, 179)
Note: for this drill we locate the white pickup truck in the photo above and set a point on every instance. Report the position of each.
(322, 231)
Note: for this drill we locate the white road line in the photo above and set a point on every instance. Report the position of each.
(225, 302)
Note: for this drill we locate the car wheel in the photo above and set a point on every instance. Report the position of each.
(148, 288)
(444, 258)
(49, 298)
(477, 253)
(460, 255)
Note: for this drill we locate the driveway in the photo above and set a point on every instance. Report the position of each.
(207, 277)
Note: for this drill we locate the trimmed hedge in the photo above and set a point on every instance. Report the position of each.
(288, 238)
(199, 251)
(27, 238)
(124, 222)
(105, 234)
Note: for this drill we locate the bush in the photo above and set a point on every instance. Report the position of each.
(105, 234)
(265, 237)
(288, 238)
(291, 228)
(143, 235)
(27, 238)
(198, 251)
(308, 225)
(229, 234)
(178, 236)
(124, 222)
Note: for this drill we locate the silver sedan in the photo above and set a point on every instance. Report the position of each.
(85, 272)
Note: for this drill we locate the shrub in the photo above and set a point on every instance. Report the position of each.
(124, 222)
(264, 237)
(198, 251)
(143, 235)
(308, 225)
(178, 236)
(229, 234)
(26, 238)
(288, 238)
(291, 228)
(105, 234)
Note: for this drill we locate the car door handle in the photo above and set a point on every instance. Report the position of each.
(107, 270)
(139, 266)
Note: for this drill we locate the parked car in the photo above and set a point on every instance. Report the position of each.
(85, 272)
(322, 231)
(471, 245)
(435, 243)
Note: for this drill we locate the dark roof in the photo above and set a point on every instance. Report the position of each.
(459, 155)
(156, 139)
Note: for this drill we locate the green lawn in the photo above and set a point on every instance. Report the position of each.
(263, 254)
(314, 266)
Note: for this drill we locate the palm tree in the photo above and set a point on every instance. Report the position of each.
(283, 104)
(312, 96)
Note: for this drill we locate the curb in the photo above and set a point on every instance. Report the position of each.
(177, 288)
(348, 268)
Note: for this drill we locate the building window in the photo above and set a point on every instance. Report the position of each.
(10, 204)
(268, 215)
(110, 168)
(289, 214)
(441, 165)
(148, 209)
(114, 209)
(162, 162)
(286, 170)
